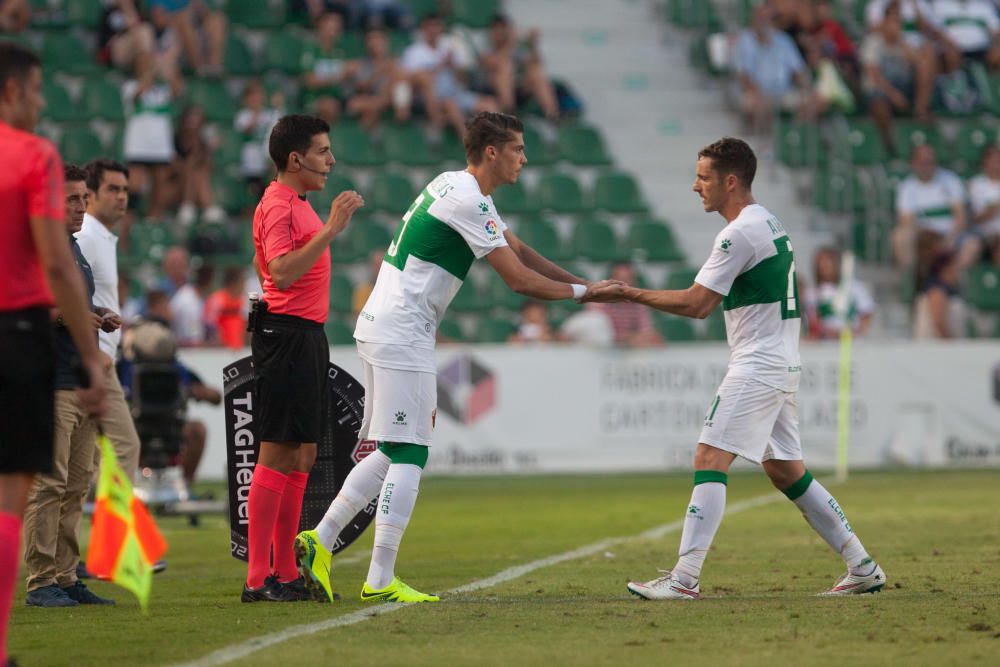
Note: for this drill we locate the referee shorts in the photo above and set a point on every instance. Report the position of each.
(290, 358)
(27, 391)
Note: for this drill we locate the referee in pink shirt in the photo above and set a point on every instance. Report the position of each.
(289, 348)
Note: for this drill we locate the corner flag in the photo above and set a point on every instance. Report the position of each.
(124, 539)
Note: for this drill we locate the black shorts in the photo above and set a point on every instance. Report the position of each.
(27, 391)
(290, 359)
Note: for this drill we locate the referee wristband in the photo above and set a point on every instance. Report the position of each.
(578, 291)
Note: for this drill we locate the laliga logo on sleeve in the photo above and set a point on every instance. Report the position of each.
(491, 229)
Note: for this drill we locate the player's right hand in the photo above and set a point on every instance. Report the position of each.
(604, 291)
(343, 208)
(92, 399)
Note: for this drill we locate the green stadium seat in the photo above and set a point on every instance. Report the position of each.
(514, 199)
(837, 191)
(451, 330)
(595, 240)
(502, 296)
(103, 99)
(451, 148)
(799, 144)
(336, 183)
(653, 241)
(238, 59)
(353, 44)
(982, 287)
(542, 236)
(338, 333)
(560, 192)
(84, 13)
(283, 52)
(58, 104)
(474, 13)
(341, 294)
(367, 236)
(582, 145)
(908, 135)
(539, 152)
(406, 145)
(468, 299)
(494, 330)
(864, 143)
(219, 106)
(973, 137)
(231, 194)
(715, 325)
(44, 16)
(65, 52)
(618, 192)
(392, 192)
(256, 14)
(680, 278)
(353, 146)
(230, 151)
(674, 329)
(80, 145)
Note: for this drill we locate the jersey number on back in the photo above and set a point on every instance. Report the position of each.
(394, 246)
(789, 304)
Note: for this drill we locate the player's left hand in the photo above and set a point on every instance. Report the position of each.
(111, 322)
(604, 291)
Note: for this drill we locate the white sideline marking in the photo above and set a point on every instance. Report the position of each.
(243, 649)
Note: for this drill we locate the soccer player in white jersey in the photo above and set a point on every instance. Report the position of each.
(451, 223)
(751, 272)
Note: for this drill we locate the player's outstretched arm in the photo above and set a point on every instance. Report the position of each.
(696, 301)
(535, 261)
(527, 281)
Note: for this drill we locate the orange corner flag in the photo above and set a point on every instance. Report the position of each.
(124, 539)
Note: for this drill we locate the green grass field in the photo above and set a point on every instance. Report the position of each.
(937, 534)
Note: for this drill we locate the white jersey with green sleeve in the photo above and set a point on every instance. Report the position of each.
(752, 266)
(450, 224)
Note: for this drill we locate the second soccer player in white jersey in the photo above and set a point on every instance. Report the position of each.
(450, 224)
(751, 272)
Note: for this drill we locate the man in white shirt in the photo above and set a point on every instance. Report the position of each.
(984, 195)
(971, 29)
(107, 182)
(188, 307)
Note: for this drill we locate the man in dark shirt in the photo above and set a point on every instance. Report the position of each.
(52, 517)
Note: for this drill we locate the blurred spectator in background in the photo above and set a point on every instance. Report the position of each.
(590, 326)
(931, 215)
(970, 31)
(377, 83)
(200, 29)
(364, 288)
(916, 25)
(314, 9)
(15, 15)
(124, 39)
(939, 311)
(830, 52)
(984, 196)
(325, 69)
(381, 14)
(891, 66)
(771, 73)
(436, 70)
(130, 301)
(194, 144)
(149, 138)
(188, 308)
(226, 310)
(176, 265)
(513, 69)
(823, 321)
(254, 121)
(534, 326)
(631, 322)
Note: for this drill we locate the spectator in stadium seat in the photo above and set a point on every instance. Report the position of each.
(826, 43)
(939, 311)
(326, 68)
(930, 215)
(124, 39)
(188, 308)
(200, 28)
(771, 74)
(917, 28)
(970, 31)
(176, 267)
(378, 83)
(513, 68)
(984, 196)
(534, 326)
(254, 121)
(15, 15)
(436, 70)
(590, 326)
(194, 144)
(632, 323)
(823, 322)
(314, 9)
(891, 66)
(226, 311)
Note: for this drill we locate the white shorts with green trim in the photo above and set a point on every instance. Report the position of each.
(400, 406)
(753, 420)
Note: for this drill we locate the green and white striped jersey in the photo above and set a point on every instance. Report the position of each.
(449, 225)
(753, 267)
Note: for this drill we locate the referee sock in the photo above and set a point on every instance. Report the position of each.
(10, 545)
(823, 513)
(701, 521)
(362, 485)
(263, 504)
(287, 526)
(395, 506)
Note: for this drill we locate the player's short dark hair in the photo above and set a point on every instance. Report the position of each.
(96, 168)
(16, 62)
(730, 155)
(430, 16)
(489, 128)
(74, 173)
(293, 134)
(499, 19)
(156, 297)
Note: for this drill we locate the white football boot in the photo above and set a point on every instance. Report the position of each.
(666, 587)
(856, 584)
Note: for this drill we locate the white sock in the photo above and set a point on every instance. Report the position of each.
(823, 513)
(395, 506)
(702, 519)
(361, 486)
